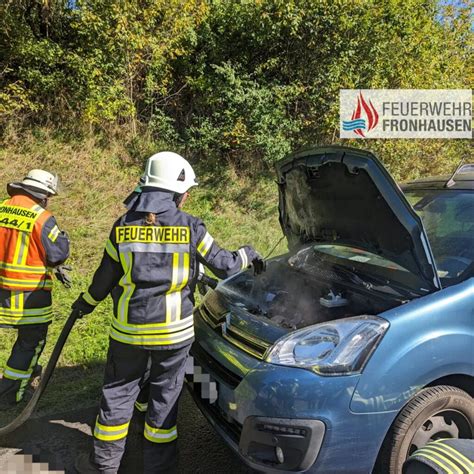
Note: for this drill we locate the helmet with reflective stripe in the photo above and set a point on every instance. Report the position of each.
(169, 171)
(42, 180)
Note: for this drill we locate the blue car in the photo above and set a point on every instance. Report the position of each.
(356, 347)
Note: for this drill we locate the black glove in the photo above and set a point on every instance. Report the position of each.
(205, 279)
(256, 260)
(61, 273)
(82, 307)
(259, 265)
(209, 281)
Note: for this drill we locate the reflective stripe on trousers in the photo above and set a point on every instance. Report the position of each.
(244, 258)
(34, 361)
(124, 377)
(141, 407)
(110, 433)
(16, 374)
(23, 360)
(160, 435)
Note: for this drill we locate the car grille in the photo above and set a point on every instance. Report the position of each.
(232, 428)
(210, 318)
(245, 341)
(223, 326)
(210, 364)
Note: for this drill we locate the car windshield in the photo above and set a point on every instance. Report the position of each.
(448, 217)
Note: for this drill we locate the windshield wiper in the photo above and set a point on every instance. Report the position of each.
(372, 282)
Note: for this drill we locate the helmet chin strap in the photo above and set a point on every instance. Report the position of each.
(177, 198)
(44, 202)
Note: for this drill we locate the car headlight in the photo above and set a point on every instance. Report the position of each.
(340, 347)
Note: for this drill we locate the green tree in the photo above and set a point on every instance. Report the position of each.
(243, 82)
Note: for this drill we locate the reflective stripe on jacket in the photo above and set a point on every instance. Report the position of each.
(151, 272)
(25, 307)
(22, 256)
(443, 456)
(30, 244)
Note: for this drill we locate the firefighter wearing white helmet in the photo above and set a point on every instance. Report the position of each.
(42, 181)
(150, 267)
(170, 171)
(32, 248)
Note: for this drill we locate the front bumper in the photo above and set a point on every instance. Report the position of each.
(264, 443)
(260, 407)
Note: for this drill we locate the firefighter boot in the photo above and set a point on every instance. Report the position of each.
(85, 465)
(8, 391)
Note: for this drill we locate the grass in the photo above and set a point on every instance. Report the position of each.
(95, 181)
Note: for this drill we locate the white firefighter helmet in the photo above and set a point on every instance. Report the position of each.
(170, 171)
(42, 181)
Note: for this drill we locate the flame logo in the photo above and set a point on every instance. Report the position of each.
(357, 124)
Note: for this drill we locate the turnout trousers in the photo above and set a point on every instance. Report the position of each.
(125, 372)
(22, 362)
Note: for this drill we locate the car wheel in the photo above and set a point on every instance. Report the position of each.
(434, 413)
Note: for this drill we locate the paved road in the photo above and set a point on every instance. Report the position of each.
(58, 439)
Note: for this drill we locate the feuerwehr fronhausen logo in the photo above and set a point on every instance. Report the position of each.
(406, 113)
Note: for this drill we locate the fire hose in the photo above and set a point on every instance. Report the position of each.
(30, 407)
(205, 282)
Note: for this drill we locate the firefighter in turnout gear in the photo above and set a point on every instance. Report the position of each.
(150, 267)
(31, 246)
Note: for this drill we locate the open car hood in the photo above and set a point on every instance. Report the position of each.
(341, 195)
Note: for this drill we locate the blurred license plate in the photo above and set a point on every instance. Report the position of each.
(201, 381)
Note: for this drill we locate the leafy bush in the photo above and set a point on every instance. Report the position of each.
(242, 82)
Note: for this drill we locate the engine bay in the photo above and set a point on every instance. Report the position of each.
(299, 290)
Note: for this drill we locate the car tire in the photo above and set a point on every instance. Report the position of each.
(435, 412)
